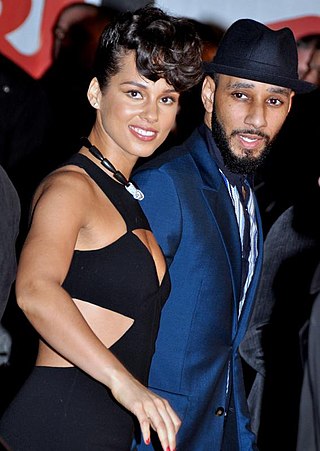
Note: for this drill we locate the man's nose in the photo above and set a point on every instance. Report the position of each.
(256, 116)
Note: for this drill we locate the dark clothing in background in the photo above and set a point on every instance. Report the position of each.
(309, 415)
(24, 120)
(283, 304)
(9, 227)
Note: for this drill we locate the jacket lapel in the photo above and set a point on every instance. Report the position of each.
(220, 204)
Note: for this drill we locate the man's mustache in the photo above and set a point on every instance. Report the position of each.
(251, 132)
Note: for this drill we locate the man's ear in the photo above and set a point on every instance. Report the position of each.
(94, 93)
(207, 93)
(290, 101)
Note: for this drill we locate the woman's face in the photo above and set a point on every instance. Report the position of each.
(135, 114)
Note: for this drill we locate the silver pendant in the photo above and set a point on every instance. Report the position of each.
(135, 192)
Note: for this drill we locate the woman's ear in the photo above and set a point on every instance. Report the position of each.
(207, 93)
(94, 93)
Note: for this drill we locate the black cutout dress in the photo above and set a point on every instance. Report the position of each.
(64, 409)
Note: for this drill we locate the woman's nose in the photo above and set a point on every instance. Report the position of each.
(150, 113)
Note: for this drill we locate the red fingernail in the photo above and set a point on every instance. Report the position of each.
(147, 442)
(168, 448)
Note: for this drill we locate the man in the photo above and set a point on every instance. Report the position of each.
(201, 207)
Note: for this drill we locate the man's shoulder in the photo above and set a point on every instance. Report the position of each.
(166, 157)
(171, 156)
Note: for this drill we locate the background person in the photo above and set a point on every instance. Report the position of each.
(308, 60)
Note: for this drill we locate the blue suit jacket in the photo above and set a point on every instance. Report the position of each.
(193, 219)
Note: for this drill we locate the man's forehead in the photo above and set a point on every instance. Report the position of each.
(231, 82)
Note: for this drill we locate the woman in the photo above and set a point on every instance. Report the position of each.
(91, 277)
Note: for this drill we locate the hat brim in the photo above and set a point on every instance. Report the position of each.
(298, 86)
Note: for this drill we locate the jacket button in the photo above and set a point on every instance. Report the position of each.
(219, 411)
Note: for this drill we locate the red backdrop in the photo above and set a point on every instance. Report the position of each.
(301, 26)
(26, 28)
(26, 31)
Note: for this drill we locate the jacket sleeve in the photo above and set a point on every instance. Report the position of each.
(9, 228)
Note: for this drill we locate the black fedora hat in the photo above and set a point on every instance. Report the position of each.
(251, 50)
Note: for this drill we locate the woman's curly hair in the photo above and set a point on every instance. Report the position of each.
(166, 47)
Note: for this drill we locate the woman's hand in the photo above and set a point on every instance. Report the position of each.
(149, 408)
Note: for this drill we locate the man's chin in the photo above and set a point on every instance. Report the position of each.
(250, 154)
(244, 165)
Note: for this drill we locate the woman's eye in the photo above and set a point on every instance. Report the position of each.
(135, 94)
(168, 100)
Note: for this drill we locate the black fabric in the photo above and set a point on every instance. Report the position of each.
(64, 409)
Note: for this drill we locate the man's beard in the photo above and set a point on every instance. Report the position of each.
(238, 165)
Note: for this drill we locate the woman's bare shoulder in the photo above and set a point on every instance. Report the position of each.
(70, 181)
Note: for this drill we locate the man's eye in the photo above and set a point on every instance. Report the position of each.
(239, 95)
(275, 102)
